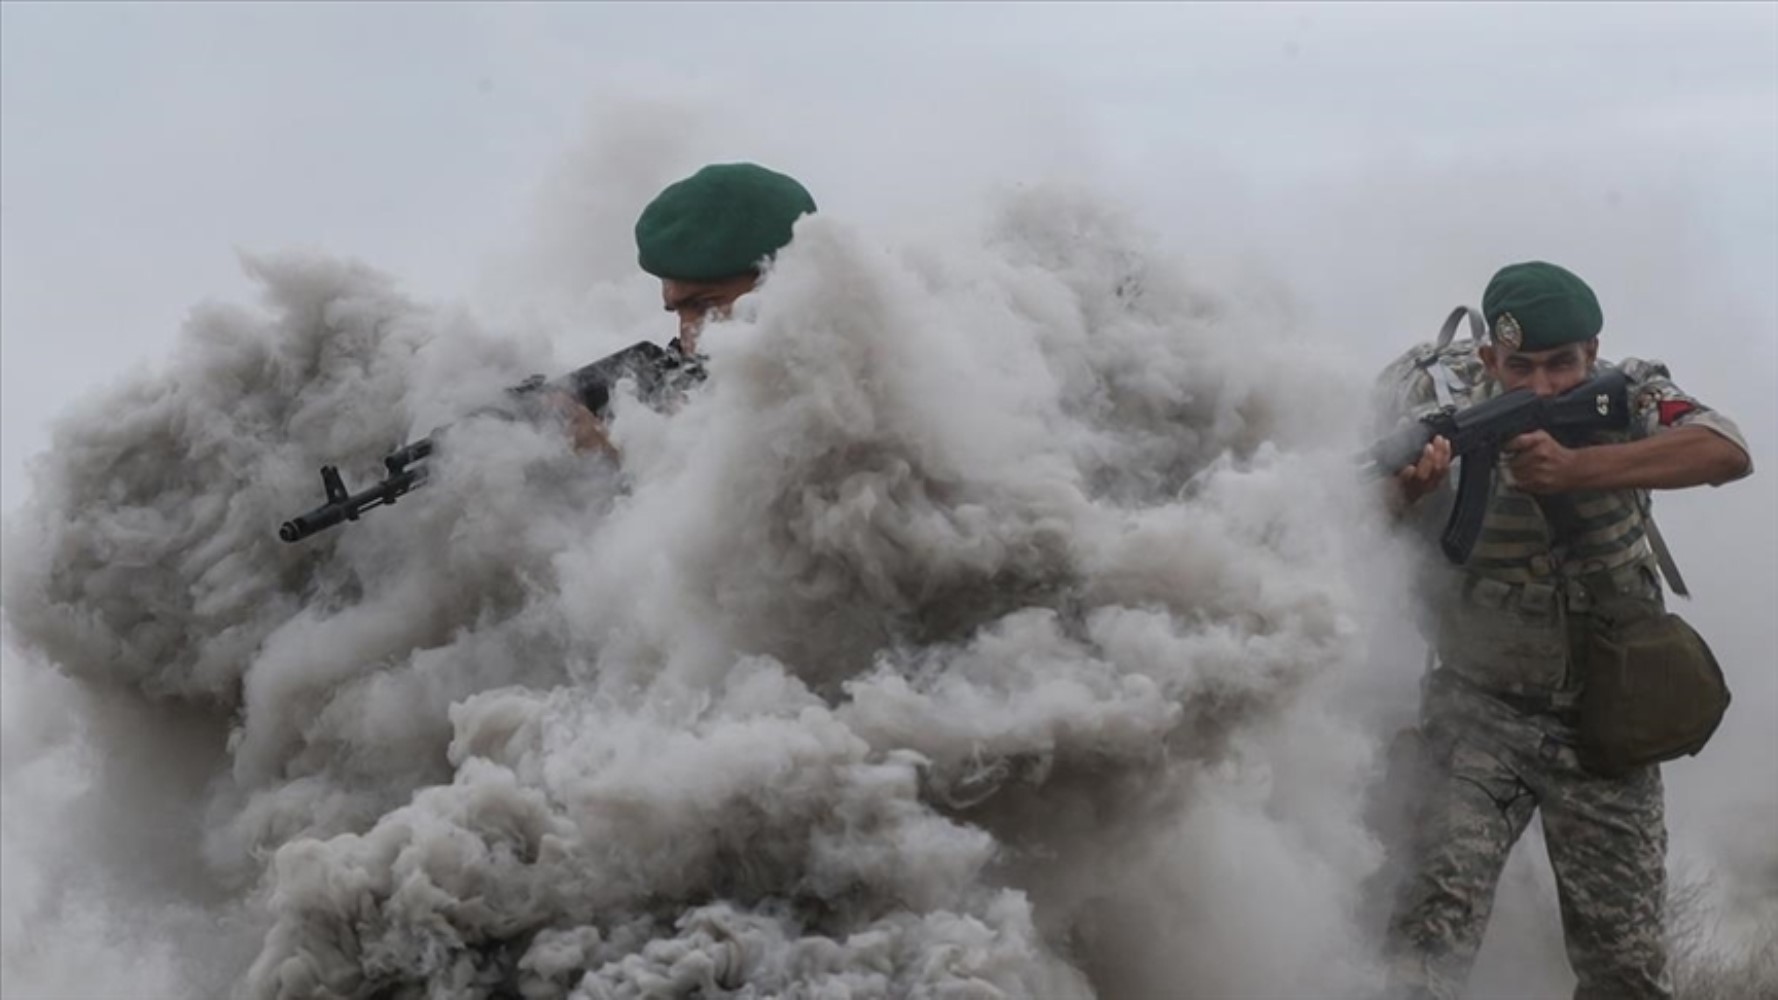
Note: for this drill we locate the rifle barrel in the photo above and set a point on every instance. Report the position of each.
(653, 367)
(347, 509)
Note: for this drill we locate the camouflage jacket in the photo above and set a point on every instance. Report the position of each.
(1502, 619)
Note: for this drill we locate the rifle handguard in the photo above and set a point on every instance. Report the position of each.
(655, 369)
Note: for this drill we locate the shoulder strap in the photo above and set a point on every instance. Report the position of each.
(1664, 556)
(1477, 329)
(1445, 381)
(1645, 503)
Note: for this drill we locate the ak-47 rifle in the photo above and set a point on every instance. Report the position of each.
(1478, 433)
(658, 372)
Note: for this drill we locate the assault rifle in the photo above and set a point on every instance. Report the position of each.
(659, 372)
(1478, 433)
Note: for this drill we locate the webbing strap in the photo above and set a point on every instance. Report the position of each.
(1445, 383)
(1477, 328)
(1664, 556)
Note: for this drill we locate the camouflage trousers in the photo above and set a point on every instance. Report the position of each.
(1491, 766)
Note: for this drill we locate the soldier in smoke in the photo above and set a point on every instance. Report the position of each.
(706, 237)
(1508, 724)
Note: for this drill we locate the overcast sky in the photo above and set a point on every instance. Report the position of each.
(1377, 160)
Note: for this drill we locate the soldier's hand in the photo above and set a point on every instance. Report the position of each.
(584, 429)
(1424, 476)
(1540, 464)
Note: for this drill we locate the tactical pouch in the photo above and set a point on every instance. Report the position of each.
(1651, 689)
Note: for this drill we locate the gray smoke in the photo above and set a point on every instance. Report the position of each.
(987, 626)
(1021, 537)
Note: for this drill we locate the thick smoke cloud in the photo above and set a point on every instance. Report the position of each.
(970, 634)
(1002, 617)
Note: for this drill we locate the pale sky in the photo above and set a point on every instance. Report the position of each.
(1379, 160)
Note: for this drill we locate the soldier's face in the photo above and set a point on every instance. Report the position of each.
(1547, 373)
(697, 302)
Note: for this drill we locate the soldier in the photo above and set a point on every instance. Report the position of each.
(707, 237)
(1566, 530)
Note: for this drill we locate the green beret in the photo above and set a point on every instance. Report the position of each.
(720, 222)
(1535, 306)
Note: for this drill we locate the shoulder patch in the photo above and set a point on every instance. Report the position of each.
(1671, 410)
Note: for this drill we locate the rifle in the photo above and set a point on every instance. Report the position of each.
(659, 373)
(1478, 433)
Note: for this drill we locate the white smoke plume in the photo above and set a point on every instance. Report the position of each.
(995, 620)
(987, 626)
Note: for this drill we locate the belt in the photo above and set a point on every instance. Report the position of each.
(1559, 705)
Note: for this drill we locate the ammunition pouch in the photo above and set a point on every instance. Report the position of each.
(1651, 689)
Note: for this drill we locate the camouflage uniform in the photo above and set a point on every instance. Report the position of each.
(1497, 724)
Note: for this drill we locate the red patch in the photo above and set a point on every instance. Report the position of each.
(1673, 409)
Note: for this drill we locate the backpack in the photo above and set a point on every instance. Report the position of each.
(1442, 374)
